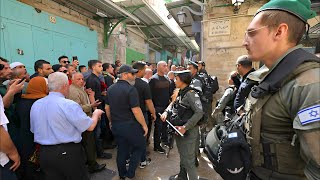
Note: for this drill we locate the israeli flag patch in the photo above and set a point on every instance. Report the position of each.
(309, 114)
(233, 135)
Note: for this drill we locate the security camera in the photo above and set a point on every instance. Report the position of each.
(181, 16)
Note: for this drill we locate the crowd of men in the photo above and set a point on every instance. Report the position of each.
(91, 88)
(55, 123)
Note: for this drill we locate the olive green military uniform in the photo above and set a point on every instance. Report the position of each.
(286, 127)
(186, 145)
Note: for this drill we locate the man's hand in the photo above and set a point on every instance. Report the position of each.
(181, 129)
(145, 128)
(95, 104)
(89, 92)
(16, 160)
(15, 86)
(98, 112)
(154, 117)
(163, 116)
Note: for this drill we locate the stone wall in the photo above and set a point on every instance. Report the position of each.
(223, 37)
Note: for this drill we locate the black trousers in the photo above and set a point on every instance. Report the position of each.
(63, 162)
(6, 173)
(89, 145)
(160, 132)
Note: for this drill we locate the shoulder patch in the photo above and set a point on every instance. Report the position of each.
(198, 104)
(309, 115)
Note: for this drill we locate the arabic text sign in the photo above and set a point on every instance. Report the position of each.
(220, 27)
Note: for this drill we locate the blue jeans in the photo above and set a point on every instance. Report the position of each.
(6, 173)
(129, 138)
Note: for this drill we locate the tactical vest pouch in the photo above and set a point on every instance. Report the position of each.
(280, 157)
(184, 114)
(177, 121)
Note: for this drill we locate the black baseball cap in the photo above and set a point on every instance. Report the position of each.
(127, 69)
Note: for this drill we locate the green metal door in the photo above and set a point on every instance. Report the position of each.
(17, 42)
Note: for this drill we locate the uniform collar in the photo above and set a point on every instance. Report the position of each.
(284, 55)
(265, 73)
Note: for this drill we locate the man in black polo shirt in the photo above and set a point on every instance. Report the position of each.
(93, 82)
(126, 121)
(160, 90)
(145, 101)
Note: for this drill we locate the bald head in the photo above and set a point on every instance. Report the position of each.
(148, 73)
(162, 68)
(77, 79)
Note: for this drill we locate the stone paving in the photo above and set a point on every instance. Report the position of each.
(161, 167)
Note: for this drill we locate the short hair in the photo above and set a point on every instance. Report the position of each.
(105, 66)
(69, 65)
(57, 80)
(81, 67)
(140, 65)
(185, 77)
(244, 61)
(170, 72)
(296, 27)
(56, 67)
(92, 63)
(160, 62)
(76, 73)
(62, 57)
(3, 59)
(39, 64)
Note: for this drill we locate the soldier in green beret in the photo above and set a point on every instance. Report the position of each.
(283, 111)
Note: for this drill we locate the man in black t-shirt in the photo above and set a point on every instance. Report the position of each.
(160, 91)
(93, 82)
(145, 101)
(126, 121)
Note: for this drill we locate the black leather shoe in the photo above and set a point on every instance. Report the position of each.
(97, 168)
(160, 150)
(105, 156)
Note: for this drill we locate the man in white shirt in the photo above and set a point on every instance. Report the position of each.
(8, 151)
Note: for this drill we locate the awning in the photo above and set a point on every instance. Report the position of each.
(143, 16)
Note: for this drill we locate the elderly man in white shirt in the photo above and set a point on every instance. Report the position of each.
(8, 151)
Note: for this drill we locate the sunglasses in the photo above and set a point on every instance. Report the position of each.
(66, 62)
(1, 66)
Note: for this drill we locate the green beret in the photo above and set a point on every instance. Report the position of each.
(299, 8)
